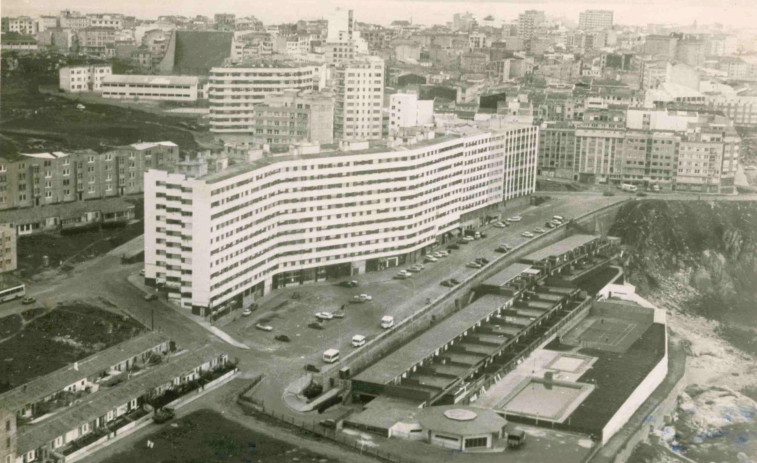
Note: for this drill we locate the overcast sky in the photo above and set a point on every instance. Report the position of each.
(737, 13)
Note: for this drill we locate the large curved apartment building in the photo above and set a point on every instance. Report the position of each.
(234, 90)
(336, 211)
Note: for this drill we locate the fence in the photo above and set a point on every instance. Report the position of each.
(253, 407)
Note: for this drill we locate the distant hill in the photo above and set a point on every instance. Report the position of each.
(198, 51)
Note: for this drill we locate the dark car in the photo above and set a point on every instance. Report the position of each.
(315, 326)
(501, 249)
(282, 338)
(447, 284)
(350, 284)
(312, 368)
(483, 235)
(453, 246)
(331, 424)
(549, 225)
(150, 297)
(462, 242)
(163, 414)
(454, 281)
(482, 260)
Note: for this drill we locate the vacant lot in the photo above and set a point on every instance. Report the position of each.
(68, 333)
(59, 248)
(206, 436)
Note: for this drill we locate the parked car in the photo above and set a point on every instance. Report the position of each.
(515, 218)
(365, 297)
(315, 326)
(282, 338)
(416, 268)
(349, 284)
(483, 235)
(331, 424)
(32, 300)
(387, 321)
(477, 236)
(149, 297)
(246, 312)
(473, 265)
(501, 249)
(263, 327)
(163, 414)
(359, 298)
(499, 225)
(462, 241)
(401, 276)
(454, 281)
(446, 283)
(324, 315)
(358, 340)
(540, 230)
(482, 260)
(527, 234)
(468, 238)
(313, 368)
(431, 258)
(338, 314)
(549, 225)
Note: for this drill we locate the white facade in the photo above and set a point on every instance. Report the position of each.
(232, 234)
(116, 21)
(76, 79)
(153, 88)
(359, 97)
(595, 19)
(233, 91)
(23, 25)
(342, 27)
(405, 110)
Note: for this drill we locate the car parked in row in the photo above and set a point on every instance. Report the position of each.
(515, 218)
(430, 258)
(263, 327)
(527, 234)
(359, 298)
(324, 315)
(358, 340)
(539, 230)
(349, 284)
(473, 264)
(416, 268)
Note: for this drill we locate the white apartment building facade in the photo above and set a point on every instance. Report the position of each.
(76, 79)
(237, 234)
(151, 88)
(591, 20)
(359, 91)
(406, 110)
(234, 91)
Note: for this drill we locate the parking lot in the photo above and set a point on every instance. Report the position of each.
(290, 310)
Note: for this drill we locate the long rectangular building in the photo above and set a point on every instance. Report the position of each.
(151, 88)
(240, 232)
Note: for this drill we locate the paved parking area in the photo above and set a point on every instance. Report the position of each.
(399, 298)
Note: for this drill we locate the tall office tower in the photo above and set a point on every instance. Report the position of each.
(591, 20)
(359, 89)
(529, 23)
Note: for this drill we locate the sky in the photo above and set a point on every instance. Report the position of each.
(734, 13)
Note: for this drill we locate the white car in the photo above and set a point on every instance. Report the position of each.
(263, 327)
(431, 258)
(366, 297)
(324, 315)
(527, 234)
(500, 225)
(515, 218)
(469, 238)
(358, 340)
(540, 230)
(473, 265)
(246, 312)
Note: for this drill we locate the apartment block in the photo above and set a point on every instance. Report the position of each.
(151, 88)
(590, 20)
(325, 212)
(37, 179)
(742, 110)
(73, 20)
(75, 79)
(115, 21)
(234, 91)
(8, 436)
(681, 151)
(96, 39)
(407, 111)
(529, 23)
(21, 24)
(288, 118)
(359, 89)
(8, 262)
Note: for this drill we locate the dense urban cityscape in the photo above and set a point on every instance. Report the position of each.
(526, 234)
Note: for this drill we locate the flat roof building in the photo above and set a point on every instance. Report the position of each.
(150, 88)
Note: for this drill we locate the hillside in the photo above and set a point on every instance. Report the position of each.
(698, 260)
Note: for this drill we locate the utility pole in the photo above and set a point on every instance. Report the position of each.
(152, 325)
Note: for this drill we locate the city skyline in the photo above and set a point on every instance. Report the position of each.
(737, 13)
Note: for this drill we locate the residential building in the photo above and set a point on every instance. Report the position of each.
(38, 179)
(286, 118)
(233, 91)
(13, 41)
(359, 89)
(150, 88)
(115, 21)
(529, 23)
(73, 20)
(8, 262)
(95, 40)
(463, 22)
(407, 111)
(23, 25)
(221, 237)
(343, 40)
(591, 20)
(251, 46)
(88, 78)
(742, 110)
(8, 436)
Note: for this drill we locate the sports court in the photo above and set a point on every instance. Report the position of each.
(610, 330)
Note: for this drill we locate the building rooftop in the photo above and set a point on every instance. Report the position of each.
(44, 386)
(148, 145)
(508, 274)
(461, 420)
(560, 248)
(151, 80)
(65, 210)
(97, 404)
(425, 344)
